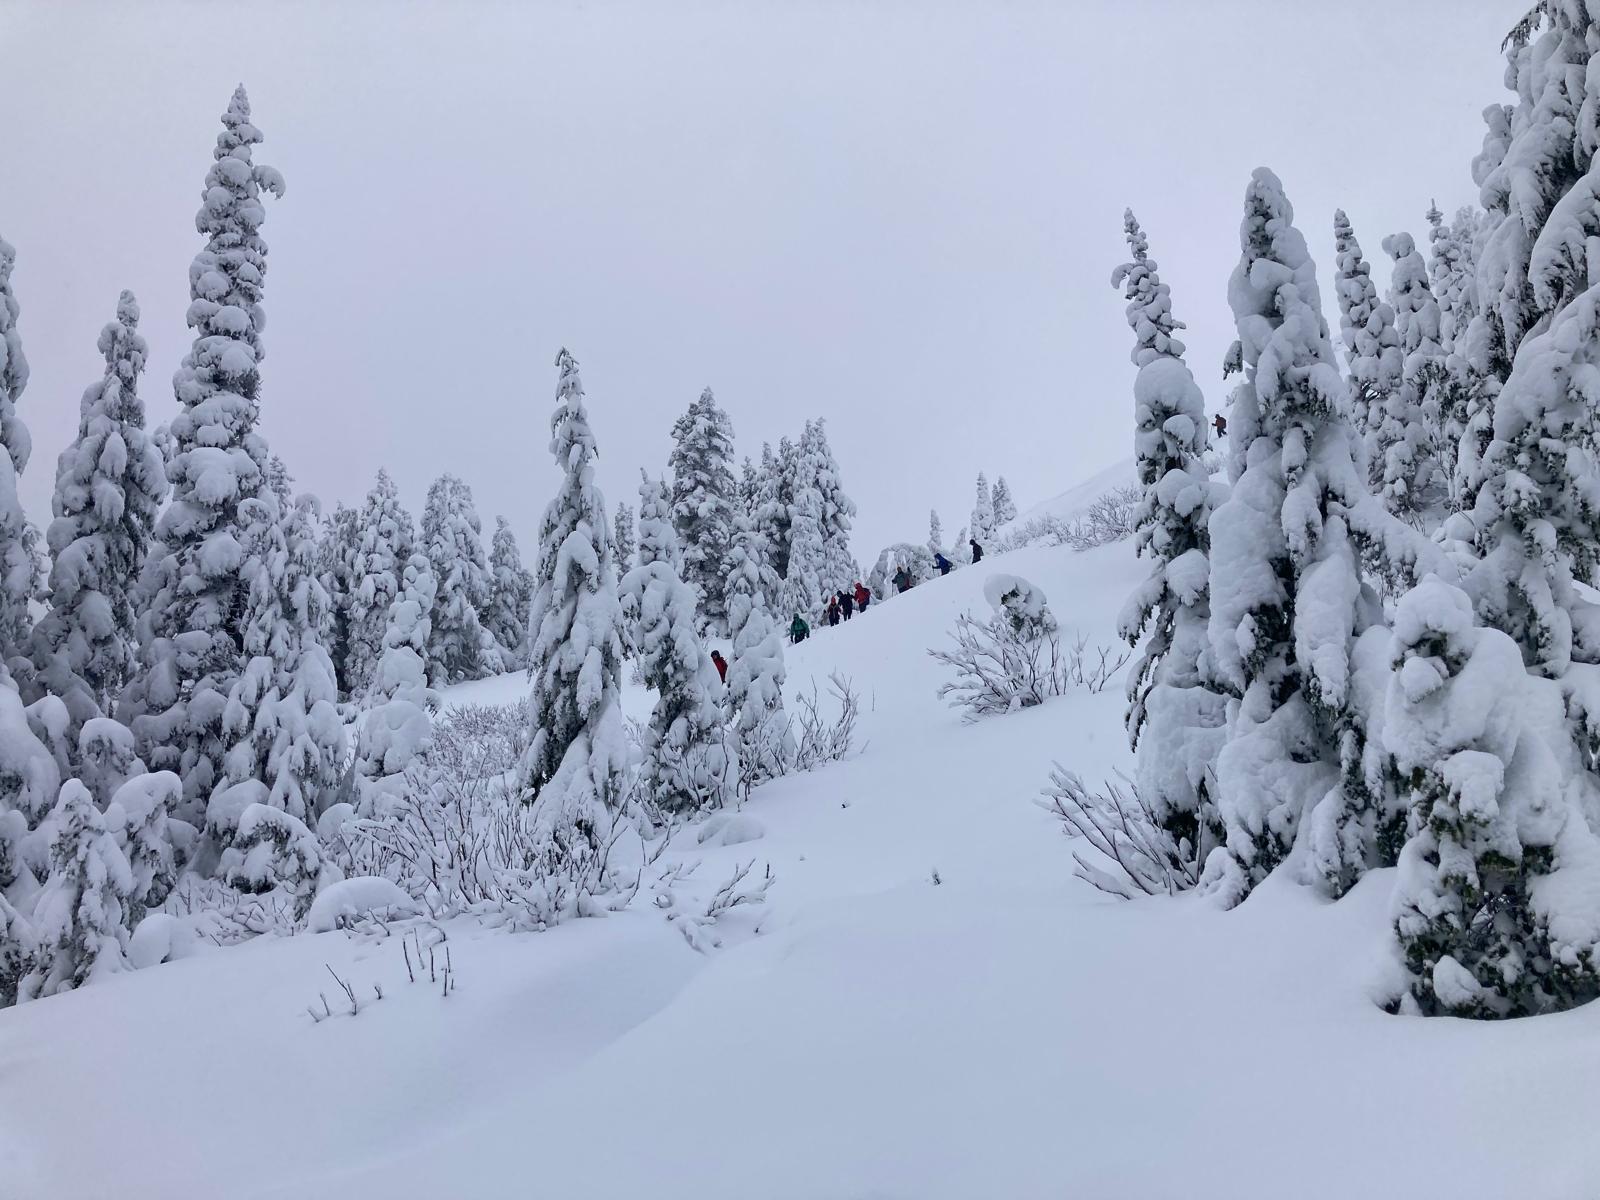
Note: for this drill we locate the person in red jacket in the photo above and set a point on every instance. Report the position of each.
(721, 664)
(863, 597)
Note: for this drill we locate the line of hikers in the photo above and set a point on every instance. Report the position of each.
(844, 605)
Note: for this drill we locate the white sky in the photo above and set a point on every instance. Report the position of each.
(899, 216)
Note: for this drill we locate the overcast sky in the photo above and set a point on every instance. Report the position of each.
(901, 217)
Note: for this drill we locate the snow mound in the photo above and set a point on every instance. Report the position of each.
(356, 897)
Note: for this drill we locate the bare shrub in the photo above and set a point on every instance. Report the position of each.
(1143, 857)
(1110, 518)
(819, 738)
(1000, 669)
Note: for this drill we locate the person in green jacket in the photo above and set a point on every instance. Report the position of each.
(799, 631)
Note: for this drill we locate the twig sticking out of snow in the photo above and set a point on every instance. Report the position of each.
(1121, 826)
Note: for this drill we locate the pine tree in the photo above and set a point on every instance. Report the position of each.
(1412, 483)
(1174, 720)
(136, 816)
(398, 728)
(338, 554)
(109, 487)
(935, 532)
(658, 540)
(282, 713)
(750, 487)
(577, 757)
(20, 567)
(1005, 509)
(704, 494)
(622, 533)
(460, 647)
(81, 918)
(386, 537)
(1371, 342)
(686, 760)
(819, 472)
(191, 588)
(755, 667)
(511, 592)
(1286, 596)
(802, 585)
(982, 526)
(776, 508)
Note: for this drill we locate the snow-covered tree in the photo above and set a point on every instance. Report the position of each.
(1412, 482)
(511, 591)
(136, 817)
(386, 536)
(704, 498)
(192, 588)
(1005, 508)
(577, 760)
(1498, 899)
(750, 489)
(658, 539)
(282, 713)
(273, 849)
(19, 550)
(775, 514)
(622, 533)
(820, 472)
(110, 483)
(80, 919)
(755, 667)
(1287, 599)
(1463, 432)
(397, 727)
(1174, 719)
(1371, 342)
(935, 533)
(338, 554)
(982, 526)
(460, 647)
(808, 562)
(686, 765)
(30, 773)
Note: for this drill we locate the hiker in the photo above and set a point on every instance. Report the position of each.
(902, 581)
(847, 605)
(977, 550)
(943, 563)
(833, 611)
(863, 597)
(1220, 423)
(721, 664)
(799, 631)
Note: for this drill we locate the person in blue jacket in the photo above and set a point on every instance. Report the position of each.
(943, 563)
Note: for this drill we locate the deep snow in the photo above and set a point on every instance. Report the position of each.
(1007, 1032)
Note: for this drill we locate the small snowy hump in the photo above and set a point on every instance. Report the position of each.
(730, 829)
(339, 902)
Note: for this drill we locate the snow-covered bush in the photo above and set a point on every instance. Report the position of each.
(1022, 605)
(998, 669)
(1110, 517)
(271, 850)
(1142, 857)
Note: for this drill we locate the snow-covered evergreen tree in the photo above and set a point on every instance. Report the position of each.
(704, 497)
(136, 817)
(192, 588)
(820, 472)
(779, 472)
(982, 527)
(1497, 906)
(1287, 599)
(658, 539)
(511, 592)
(808, 562)
(386, 537)
(110, 483)
(397, 727)
(1371, 343)
(282, 713)
(20, 567)
(935, 533)
(750, 489)
(1174, 720)
(1005, 508)
(687, 765)
(80, 919)
(338, 554)
(755, 667)
(622, 533)
(460, 647)
(577, 759)
(1412, 481)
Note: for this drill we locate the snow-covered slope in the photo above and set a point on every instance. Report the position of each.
(1005, 1032)
(1075, 501)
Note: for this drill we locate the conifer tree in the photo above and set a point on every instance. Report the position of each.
(110, 483)
(384, 547)
(577, 758)
(1174, 720)
(1463, 428)
(686, 759)
(460, 647)
(755, 667)
(338, 554)
(1287, 600)
(819, 472)
(20, 567)
(510, 594)
(1005, 509)
(779, 472)
(1411, 417)
(935, 532)
(192, 588)
(982, 526)
(1371, 342)
(622, 534)
(704, 494)
(803, 586)
(398, 728)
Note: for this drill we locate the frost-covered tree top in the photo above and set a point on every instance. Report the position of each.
(704, 497)
(19, 560)
(935, 532)
(983, 513)
(451, 537)
(512, 592)
(1005, 508)
(1149, 300)
(1367, 325)
(13, 367)
(576, 620)
(384, 544)
(658, 540)
(819, 471)
(1450, 273)
(110, 483)
(622, 533)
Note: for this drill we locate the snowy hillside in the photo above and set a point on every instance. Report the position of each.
(928, 1005)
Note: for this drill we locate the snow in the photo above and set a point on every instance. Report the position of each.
(1008, 1032)
(1075, 501)
(355, 898)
